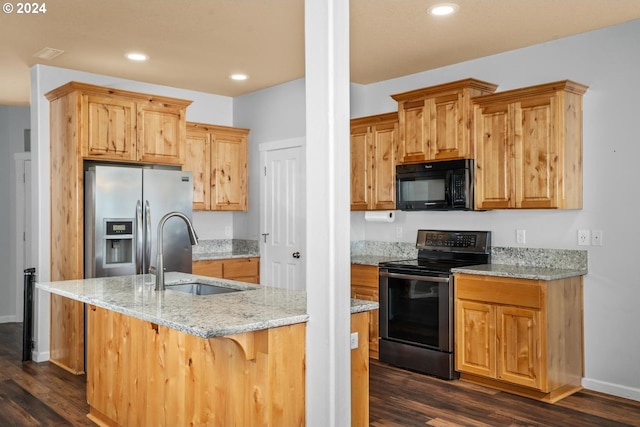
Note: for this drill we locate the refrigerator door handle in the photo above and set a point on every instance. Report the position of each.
(139, 237)
(147, 234)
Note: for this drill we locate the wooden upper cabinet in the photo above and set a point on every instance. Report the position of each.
(435, 123)
(110, 129)
(217, 156)
(373, 162)
(161, 133)
(197, 160)
(528, 150)
(124, 126)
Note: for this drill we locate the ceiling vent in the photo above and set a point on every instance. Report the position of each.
(49, 53)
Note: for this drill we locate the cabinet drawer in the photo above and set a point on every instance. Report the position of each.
(364, 275)
(211, 268)
(499, 290)
(240, 267)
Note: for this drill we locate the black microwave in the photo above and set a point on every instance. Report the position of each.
(443, 185)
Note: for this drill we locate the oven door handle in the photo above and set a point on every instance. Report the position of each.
(413, 277)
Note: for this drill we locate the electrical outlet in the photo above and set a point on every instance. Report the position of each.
(354, 340)
(596, 237)
(399, 232)
(584, 237)
(521, 236)
(228, 231)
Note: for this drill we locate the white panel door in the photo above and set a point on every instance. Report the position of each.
(283, 225)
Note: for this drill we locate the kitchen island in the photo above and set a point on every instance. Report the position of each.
(172, 358)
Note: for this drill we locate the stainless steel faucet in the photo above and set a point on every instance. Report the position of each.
(159, 258)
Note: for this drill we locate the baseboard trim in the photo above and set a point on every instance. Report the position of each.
(8, 319)
(38, 357)
(613, 389)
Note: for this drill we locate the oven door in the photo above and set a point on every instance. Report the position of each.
(416, 309)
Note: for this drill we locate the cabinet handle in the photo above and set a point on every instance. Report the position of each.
(296, 255)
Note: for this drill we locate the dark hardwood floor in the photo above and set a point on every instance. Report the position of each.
(42, 394)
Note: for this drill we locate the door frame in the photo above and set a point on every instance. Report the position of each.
(264, 148)
(22, 228)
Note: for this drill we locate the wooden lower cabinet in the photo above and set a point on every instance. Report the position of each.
(520, 335)
(364, 285)
(143, 374)
(241, 269)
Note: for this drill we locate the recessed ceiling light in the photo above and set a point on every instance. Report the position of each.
(238, 76)
(136, 56)
(443, 9)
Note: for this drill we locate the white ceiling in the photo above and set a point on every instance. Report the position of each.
(197, 44)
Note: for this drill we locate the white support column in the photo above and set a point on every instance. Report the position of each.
(328, 380)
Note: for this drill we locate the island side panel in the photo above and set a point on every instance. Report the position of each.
(140, 373)
(360, 371)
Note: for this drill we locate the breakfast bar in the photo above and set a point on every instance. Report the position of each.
(174, 358)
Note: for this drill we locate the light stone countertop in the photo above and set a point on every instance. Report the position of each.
(202, 256)
(520, 271)
(373, 259)
(205, 316)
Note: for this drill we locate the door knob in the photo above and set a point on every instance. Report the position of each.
(296, 255)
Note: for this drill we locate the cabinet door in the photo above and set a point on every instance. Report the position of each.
(415, 137)
(475, 338)
(449, 129)
(229, 171)
(518, 335)
(383, 166)
(360, 166)
(161, 134)
(197, 160)
(536, 154)
(108, 131)
(493, 163)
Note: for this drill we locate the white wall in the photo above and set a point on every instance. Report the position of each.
(205, 108)
(607, 61)
(13, 122)
(273, 114)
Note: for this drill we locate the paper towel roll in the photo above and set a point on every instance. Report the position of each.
(380, 216)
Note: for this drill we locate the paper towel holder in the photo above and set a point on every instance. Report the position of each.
(380, 216)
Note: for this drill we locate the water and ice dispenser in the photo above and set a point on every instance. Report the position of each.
(119, 242)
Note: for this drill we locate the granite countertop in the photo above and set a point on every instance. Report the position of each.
(520, 271)
(205, 316)
(202, 256)
(373, 259)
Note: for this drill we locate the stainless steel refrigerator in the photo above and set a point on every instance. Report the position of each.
(123, 206)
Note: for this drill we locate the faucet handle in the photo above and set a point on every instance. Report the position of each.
(152, 269)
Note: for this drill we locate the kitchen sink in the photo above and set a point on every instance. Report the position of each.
(197, 288)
